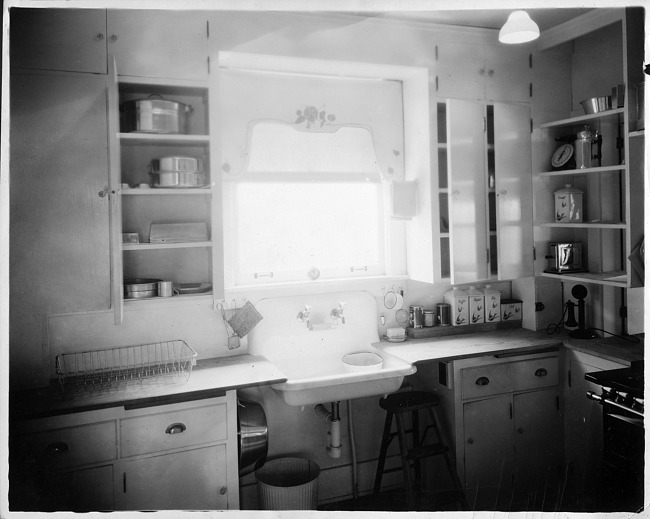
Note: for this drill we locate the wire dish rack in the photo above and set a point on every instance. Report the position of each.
(117, 368)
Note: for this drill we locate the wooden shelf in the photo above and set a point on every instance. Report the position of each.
(585, 225)
(168, 85)
(159, 246)
(638, 133)
(163, 138)
(585, 171)
(161, 191)
(615, 279)
(572, 121)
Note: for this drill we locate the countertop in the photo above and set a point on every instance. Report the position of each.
(209, 378)
(507, 340)
(212, 377)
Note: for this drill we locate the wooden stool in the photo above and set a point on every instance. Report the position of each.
(398, 405)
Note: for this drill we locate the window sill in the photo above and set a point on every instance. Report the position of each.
(374, 284)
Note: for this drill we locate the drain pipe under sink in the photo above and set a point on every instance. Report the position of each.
(334, 420)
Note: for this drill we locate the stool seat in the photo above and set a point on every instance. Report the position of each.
(399, 406)
(408, 401)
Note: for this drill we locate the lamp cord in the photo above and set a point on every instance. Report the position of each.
(557, 328)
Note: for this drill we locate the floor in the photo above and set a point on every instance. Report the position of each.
(395, 501)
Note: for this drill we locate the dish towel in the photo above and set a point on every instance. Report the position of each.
(244, 319)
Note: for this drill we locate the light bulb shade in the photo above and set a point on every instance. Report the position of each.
(518, 29)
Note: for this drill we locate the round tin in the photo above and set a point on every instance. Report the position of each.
(444, 314)
(429, 318)
(416, 316)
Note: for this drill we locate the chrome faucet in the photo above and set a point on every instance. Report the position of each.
(337, 313)
(304, 316)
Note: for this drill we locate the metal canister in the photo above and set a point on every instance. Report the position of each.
(416, 316)
(444, 314)
(429, 318)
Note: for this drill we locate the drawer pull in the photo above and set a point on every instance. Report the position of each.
(482, 381)
(541, 372)
(175, 428)
(223, 491)
(56, 448)
(470, 440)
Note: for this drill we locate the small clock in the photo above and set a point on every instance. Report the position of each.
(562, 157)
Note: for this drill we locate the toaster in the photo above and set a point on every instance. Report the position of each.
(565, 257)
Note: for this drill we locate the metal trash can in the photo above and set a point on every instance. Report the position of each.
(288, 484)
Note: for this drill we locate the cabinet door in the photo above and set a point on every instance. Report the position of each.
(59, 259)
(158, 43)
(538, 441)
(58, 39)
(507, 73)
(460, 71)
(467, 185)
(514, 190)
(489, 454)
(187, 480)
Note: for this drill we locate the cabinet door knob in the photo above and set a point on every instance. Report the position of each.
(503, 192)
(175, 428)
(490, 73)
(482, 381)
(470, 440)
(99, 36)
(56, 448)
(520, 430)
(223, 490)
(541, 372)
(113, 37)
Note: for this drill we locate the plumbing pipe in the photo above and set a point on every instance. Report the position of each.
(334, 420)
(353, 451)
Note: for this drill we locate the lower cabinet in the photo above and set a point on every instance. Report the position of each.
(506, 427)
(180, 456)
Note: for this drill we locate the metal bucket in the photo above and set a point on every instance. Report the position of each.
(252, 432)
(288, 484)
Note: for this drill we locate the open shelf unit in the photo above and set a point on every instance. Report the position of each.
(139, 204)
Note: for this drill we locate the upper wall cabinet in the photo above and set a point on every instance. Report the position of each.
(158, 43)
(58, 39)
(146, 43)
(482, 72)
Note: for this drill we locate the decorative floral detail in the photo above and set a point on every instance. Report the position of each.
(311, 116)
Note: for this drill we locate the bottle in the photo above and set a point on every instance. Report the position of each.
(492, 304)
(458, 300)
(476, 306)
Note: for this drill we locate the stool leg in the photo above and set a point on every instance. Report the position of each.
(404, 455)
(415, 427)
(455, 480)
(385, 441)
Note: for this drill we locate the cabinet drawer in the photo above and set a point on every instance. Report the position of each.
(486, 380)
(164, 428)
(532, 374)
(70, 446)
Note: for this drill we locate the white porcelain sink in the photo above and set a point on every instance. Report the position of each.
(326, 378)
(312, 358)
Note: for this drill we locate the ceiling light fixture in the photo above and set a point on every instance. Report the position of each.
(518, 29)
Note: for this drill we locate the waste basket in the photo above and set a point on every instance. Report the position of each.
(288, 484)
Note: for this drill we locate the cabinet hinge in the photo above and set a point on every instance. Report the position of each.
(557, 402)
(511, 411)
(207, 29)
(531, 125)
(530, 89)
(487, 256)
(534, 254)
(569, 378)
(436, 83)
(436, 51)
(208, 64)
(124, 482)
(530, 61)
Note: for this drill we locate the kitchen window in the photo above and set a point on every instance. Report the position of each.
(309, 163)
